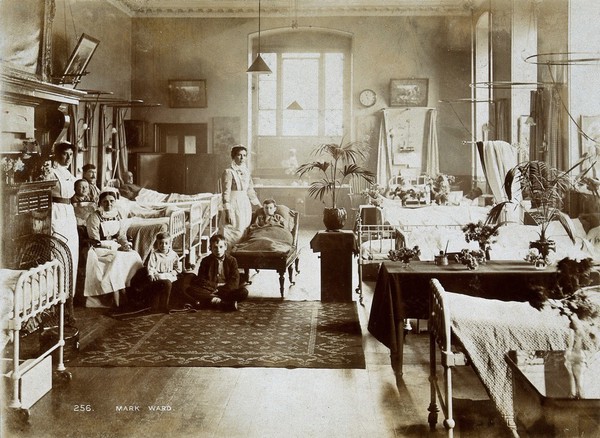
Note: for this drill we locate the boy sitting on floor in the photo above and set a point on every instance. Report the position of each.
(217, 282)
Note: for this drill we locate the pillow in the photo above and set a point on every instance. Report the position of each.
(178, 197)
(150, 196)
(287, 216)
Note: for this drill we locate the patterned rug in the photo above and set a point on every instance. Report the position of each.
(265, 333)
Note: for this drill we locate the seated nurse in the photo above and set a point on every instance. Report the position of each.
(111, 262)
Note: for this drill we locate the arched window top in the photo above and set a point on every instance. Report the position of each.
(303, 38)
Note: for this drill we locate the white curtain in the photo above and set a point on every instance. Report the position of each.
(432, 164)
(498, 158)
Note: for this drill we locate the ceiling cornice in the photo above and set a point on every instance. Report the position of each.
(282, 8)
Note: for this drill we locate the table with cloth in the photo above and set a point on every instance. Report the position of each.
(403, 292)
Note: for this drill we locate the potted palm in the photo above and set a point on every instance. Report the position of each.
(546, 187)
(339, 166)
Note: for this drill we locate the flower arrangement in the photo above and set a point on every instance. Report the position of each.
(440, 188)
(408, 193)
(404, 254)
(471, 258)
(535, 257)
(374, 194)
(10, 166)
(481, 233)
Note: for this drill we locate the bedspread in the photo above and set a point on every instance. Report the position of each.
(266, 239)
(395, 214)
(498, 327)
(143, 232)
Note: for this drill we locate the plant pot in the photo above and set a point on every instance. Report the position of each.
(334, 218)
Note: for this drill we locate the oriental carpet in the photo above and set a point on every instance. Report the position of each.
(262, 333)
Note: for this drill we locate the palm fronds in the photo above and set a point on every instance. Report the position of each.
(341, 165)
(546, 187)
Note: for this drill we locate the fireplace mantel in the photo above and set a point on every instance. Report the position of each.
(32, 108)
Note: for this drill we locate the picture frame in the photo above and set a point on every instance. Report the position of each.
(79, 60)
(187, 93)
(135, 134)
(409, 92)
(27, 23)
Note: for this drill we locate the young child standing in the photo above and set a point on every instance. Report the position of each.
(162, 269)
(217, 283)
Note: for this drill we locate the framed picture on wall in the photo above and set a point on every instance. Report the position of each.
(79, 60)
(135, 134)
(187, 94)
(408, 92)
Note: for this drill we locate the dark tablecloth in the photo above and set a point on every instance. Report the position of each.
(403, 292)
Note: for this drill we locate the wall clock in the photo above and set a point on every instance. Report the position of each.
(367, 97)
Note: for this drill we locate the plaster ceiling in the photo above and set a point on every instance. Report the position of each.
(285, 8)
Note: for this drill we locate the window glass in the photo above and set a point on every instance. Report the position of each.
(313, 80)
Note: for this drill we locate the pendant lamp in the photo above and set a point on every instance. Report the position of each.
(259, 65)
(295, 106)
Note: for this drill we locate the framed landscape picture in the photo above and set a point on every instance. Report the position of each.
(187, 94)
(80, 58)
(408, 92)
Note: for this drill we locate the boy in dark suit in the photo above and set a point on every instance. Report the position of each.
(217, 283)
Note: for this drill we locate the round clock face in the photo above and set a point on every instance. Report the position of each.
(367, 97)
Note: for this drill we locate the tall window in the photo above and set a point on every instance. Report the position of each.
(315, 81)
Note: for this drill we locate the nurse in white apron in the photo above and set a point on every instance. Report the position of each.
(111, 262)
(64, 222)
(238, 196)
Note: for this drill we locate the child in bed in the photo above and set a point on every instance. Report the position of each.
(152, 284)
(267, 217)
(218, 281)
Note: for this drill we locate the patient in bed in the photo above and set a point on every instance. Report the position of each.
(268, 216)
(269, 231)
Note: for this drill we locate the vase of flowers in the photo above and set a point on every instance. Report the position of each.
(543, 246)
(9, 167)
(374, 194)
(580, 303)
(535, 257)
(483, 234)
(440, 188)
(405, 255)
(470, 258)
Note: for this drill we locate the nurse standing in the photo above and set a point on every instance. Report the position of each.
(64, 222)
(238, 196)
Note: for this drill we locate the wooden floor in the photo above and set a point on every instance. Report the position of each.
(256, 402)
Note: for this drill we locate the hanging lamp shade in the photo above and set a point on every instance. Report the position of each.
(295, 106)
(259, 65)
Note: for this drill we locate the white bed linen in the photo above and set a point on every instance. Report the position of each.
(394, 213)
(488, 329)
